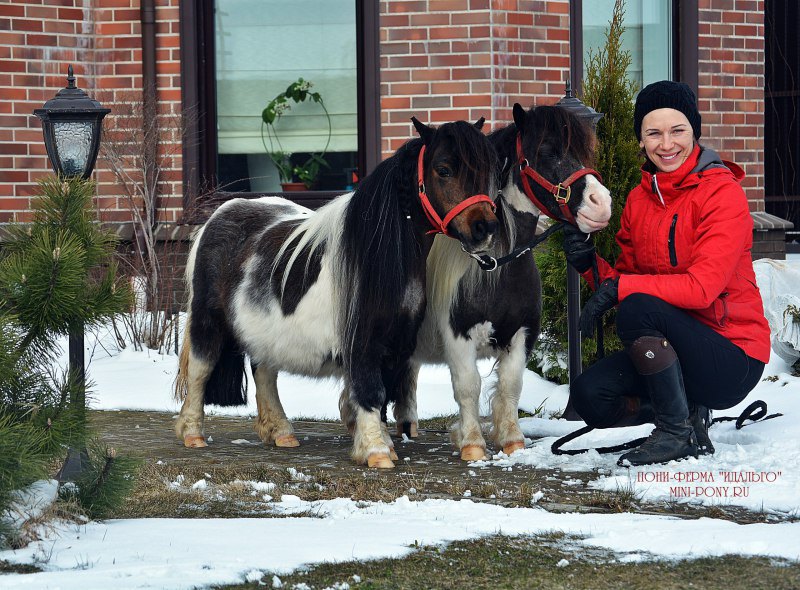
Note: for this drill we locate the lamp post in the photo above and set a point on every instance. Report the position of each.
(71, 124)
(576, 106)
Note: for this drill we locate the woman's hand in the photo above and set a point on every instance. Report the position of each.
(603, 299)
(579, 248)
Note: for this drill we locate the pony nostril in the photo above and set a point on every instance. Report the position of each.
(482, 229)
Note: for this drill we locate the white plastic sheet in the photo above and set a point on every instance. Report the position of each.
(779, 283)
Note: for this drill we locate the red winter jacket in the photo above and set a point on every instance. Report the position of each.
(686, 238)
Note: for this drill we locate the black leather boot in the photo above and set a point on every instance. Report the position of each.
(700, 418)
(673, 437)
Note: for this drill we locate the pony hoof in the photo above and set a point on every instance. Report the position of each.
(287, 441)
(393, 455)
(194, 441)
(513, 446)
(473, 453)
(379, 460)
(407, 428)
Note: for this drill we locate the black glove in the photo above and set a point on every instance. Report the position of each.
(578, 247)
(603, 299)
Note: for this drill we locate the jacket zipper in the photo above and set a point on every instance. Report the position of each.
(673, 256)
(658, 192)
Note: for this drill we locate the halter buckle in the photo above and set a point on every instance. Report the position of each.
(486, 262)
(562, 194)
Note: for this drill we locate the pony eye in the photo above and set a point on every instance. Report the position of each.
(443, 171)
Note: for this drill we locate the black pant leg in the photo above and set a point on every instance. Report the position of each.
(716, 372)
(597, 394)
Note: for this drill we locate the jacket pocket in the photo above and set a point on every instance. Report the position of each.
(721, 309)
(673, 255)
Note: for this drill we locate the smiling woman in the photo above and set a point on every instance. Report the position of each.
(689, 311)
(667, 138)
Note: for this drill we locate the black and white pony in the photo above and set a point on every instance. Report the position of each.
(473, 314)
(339, 291)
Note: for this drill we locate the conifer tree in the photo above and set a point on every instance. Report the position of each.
(57, 274)
(607, 89)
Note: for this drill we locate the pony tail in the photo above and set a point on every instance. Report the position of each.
(181, 386)
(227, 385)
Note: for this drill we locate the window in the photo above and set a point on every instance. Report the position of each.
(648, 36)
(239, 54)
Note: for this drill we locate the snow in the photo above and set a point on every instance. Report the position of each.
(754, 467)
(182, 553)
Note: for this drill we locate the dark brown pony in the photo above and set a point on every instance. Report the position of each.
(340, 291)
(473, 314)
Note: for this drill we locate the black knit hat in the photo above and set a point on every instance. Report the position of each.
(666, 95)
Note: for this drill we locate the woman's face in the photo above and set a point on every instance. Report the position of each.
(667, 138)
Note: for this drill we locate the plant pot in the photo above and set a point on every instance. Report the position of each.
(293, 186)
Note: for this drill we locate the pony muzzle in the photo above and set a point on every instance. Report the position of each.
(475, 227)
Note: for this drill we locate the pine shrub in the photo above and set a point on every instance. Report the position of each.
(607, 89)
(57, 274)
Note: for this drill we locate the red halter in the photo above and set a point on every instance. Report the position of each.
(439, 224)
(561, 191)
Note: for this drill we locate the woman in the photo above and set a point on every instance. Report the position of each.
(690, 314)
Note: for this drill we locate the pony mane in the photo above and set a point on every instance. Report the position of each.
(322, 228)
(565, 131)
(379, 249)
(377, 246)
(562, 130)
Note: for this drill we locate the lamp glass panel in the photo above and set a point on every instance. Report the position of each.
(73, 141)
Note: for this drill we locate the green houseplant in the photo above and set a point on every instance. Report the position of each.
(297, 92)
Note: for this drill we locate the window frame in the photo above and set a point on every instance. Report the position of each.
(198, 76)
(685, 14)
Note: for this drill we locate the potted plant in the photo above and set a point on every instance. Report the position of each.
(292, 176)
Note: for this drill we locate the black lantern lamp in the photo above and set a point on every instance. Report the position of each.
(575, 105)
(71, 123)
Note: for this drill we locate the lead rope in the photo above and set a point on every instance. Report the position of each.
(490, 263)
(755, 412)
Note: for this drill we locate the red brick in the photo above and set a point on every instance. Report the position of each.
(558, 34)
(450, 33)
(449, 60)
(445, 116)
(388, 103)
(558, 7)
(11, 10)
(474, 100)
(450, 88)
(410, 61)
(469, 18)
(70, 14)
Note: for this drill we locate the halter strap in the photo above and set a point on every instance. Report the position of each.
(561, 191)
(439, 224)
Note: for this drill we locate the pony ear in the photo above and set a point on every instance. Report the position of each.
(425, 132)
(519, 117)
(479, 123)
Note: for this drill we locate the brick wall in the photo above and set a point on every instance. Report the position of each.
(36, 44)
(443, 60)
(440, 60)
(731, 86)
(102, 40)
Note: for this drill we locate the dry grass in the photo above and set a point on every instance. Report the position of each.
(495, 563)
